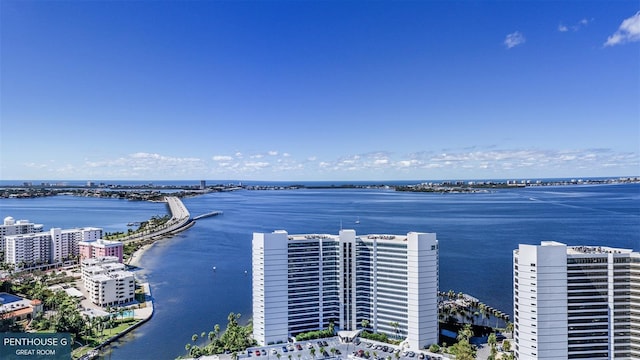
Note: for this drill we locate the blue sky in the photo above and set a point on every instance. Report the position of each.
(326, 90)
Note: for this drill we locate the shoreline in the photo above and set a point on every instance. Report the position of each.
(135, 258)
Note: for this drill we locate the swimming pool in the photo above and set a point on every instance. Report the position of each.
(6, 298)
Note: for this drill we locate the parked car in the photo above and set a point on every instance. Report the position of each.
(284, 349)
(257, 352)
(299, 347)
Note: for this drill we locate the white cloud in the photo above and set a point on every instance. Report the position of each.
(514, 39)
(273, 153)
(256, 165)
(579, 25)
(628, 31)
(464, 163)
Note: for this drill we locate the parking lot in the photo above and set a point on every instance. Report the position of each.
(333, 348)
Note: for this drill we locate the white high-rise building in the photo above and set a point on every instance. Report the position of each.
(305, 282)
(51, 247)
(576, 302)
(12, 227)
(65, 243)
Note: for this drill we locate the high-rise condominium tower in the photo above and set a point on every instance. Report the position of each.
(305, 282)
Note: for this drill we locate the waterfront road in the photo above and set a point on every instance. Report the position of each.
(180, 220)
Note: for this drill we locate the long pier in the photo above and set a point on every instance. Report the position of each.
(209, 214)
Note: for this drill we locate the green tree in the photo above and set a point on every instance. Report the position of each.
(506, 345)
(396, 327)
(313, 352)
(364, 323)
(492, 340)
(462, 349)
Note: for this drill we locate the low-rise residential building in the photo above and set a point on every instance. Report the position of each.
(17, 308)
(107, 282)
(100, 248)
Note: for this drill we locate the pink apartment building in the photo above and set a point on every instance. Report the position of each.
(100, 248)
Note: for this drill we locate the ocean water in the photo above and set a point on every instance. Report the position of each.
(477, 234)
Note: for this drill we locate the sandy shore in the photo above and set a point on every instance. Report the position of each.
(134, 260)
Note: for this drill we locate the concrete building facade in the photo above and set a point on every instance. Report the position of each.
(107, 281)
(52, 247)
(100, 248)
(305, 282)
(10, 226)
(576, 302)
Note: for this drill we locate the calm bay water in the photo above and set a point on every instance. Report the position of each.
(477, 233)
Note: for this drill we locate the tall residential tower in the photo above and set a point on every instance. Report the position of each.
(576, 302)
(305, 282)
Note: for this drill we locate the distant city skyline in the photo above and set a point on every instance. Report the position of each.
(319, 90)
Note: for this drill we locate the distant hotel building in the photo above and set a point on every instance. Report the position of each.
(576, 302)
(304, 282)
(13, 227)
(107, 281)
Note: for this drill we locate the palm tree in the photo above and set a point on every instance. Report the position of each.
(396, 327)
(194, 338)
(492, 340)
(365, 324)
(313, 352)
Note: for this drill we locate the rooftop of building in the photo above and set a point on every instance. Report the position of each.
(587, 249)
(591, 250)
(99, 260)
(101, 243)
(398, 238)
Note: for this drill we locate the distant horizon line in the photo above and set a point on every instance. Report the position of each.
(325, 181)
